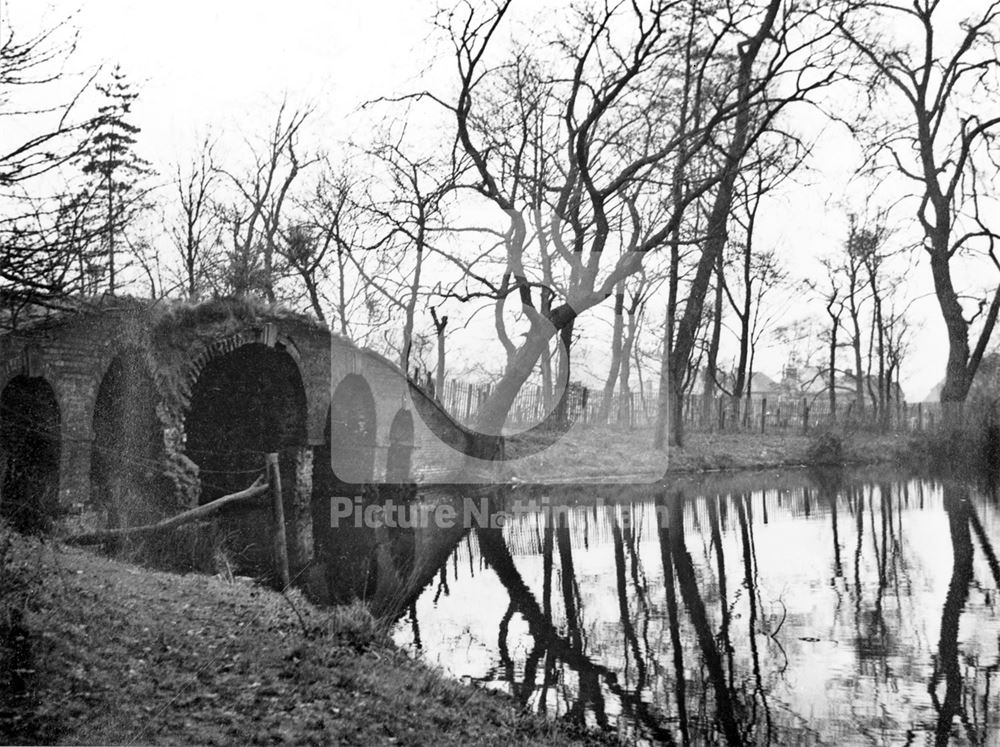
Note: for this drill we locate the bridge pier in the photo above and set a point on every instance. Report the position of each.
(300, 516)
(74, 483)
(181, 398)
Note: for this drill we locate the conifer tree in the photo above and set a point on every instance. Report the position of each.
(116, 172)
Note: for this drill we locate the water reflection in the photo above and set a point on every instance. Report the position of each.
(821, 608)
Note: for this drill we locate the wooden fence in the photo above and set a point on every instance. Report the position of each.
(763, 414)
(583, 404)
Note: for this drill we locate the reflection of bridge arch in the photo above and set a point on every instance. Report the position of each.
(30, 445)
(353, 430)
(246, 402)
(398, 462)
(127, 439)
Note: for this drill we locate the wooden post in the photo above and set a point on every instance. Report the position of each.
(278, 519)
(805, 416)
(763, 413)
(583, 404)
(920, 416)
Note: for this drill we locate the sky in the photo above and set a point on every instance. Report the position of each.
(223, 67)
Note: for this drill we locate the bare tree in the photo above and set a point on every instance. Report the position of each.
(832, 296)
(407, 211)
(781, 45)
(254, 219)
(196, 228)
(39, 231)
(944, 145)
(440, 326)
(612, 138)
(872, 250)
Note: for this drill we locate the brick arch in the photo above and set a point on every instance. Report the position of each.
(176, 397)
(105, 358)
(32, 436)
(354, 429)
(32, 362)
(127, 444)
(245, 398)
(265, 335)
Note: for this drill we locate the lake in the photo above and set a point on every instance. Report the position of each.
(795, 607)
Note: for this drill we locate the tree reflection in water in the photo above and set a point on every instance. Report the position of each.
(871, 620)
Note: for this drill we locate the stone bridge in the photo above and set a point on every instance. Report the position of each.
(127, 410)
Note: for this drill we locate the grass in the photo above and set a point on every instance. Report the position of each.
(596, 453)
(123, 654)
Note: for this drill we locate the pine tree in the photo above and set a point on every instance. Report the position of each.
(116, 172)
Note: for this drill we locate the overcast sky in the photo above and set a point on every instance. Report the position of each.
(224, 65)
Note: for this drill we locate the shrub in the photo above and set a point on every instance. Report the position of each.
(825, 447)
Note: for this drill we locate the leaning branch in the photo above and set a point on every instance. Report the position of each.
(259, 487)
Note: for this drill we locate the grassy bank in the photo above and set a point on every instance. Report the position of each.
(98, 651)
(600, 453)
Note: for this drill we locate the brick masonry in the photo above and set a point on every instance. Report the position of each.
(73, 353)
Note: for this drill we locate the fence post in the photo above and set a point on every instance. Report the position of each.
(920, 416)
(805, 416)
(763, 413)
(278, 519)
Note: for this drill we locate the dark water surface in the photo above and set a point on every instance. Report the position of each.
(779, 608)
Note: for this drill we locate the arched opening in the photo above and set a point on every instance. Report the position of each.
(30, 447)
(352, 431)
(128, 442)
(400, 456)
(245, 404)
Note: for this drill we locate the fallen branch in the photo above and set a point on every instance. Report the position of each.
(259, 487)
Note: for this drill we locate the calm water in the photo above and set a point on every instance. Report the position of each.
(788, 608)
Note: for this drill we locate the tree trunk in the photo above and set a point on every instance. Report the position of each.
(439, 375)
(663, 402)
(717, 235)
(833, 371)
(566, 340)
(624, 373)
(712, 364)
(493, 414)
(111, 231)
(411, 302)
(545, 364)
(616, 354)
(957, 378)
(859, 390)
